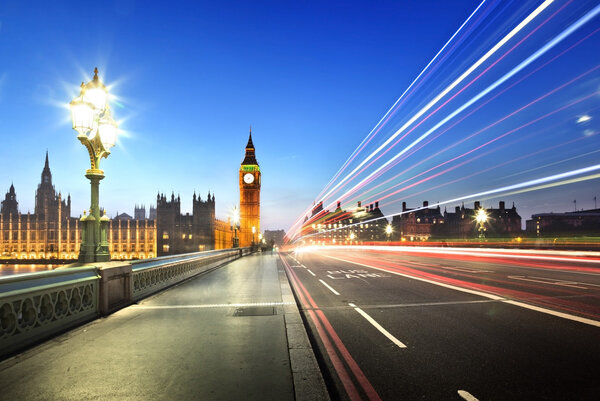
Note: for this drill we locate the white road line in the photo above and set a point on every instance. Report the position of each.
(544, 280)
(207, 306)
(483, 294)
(378, 327)
(554, 313)
(311, 272)
(466, 395)
(296, 266)
(566, 281)
(328, 286)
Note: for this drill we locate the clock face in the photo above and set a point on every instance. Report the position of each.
(248, 178)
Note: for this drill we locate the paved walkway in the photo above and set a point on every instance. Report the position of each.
(220, 336)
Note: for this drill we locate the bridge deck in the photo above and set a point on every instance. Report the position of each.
(220, 337)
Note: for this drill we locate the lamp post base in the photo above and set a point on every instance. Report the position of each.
(94, 229)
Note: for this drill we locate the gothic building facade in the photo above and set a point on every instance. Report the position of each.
(51, 233)
(184, 233)
(424, 223)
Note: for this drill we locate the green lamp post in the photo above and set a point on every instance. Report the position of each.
(97, 131)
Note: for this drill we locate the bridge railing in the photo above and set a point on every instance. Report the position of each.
(38, 305)
(33, 306)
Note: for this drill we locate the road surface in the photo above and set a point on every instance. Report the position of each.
(403, 323)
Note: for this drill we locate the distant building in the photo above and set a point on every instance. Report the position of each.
(131, 238)
(359, 225)
(183, 233)
(424, 223)
(417, 224)
(579, 223)
(274, 236)
(501, 222)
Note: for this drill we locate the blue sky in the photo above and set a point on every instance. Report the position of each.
(189, 78)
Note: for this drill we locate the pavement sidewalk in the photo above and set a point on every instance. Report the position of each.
(230, 334)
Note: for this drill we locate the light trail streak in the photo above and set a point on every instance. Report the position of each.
(413, 146)
(464, 117)
(552, 164)
(464, 75)
(512, 131)
(393, 109)
(458, 93)
(486, 170)
(481, 131)
(504, 78)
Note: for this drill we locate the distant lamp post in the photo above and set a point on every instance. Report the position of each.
(388, 231)
(97, 131)
(253, 235)
(236, 225)
(481, 218)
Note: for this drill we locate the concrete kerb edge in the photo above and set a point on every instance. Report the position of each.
(308, 379)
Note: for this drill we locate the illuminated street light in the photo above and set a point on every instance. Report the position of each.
(236, 226)
(352, 236)
(481, 217)
(388, 231)
(253, 235)
(97, 131)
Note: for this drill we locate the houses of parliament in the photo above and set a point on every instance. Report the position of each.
(51, 233)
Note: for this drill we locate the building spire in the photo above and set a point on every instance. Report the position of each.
(250, 145)
(47, 165)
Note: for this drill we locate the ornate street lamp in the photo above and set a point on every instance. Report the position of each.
(97, 131)
(236, 226)
(253, 235)
(388, 231)
(481, 218)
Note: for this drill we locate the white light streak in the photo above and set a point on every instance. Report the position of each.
(402, 96)
(429, 105)
(493, 86)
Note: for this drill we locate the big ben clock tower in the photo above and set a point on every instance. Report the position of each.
(249, 197)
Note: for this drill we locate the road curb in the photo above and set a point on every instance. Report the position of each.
(308, 380)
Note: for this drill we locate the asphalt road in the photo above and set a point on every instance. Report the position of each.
(450, 325)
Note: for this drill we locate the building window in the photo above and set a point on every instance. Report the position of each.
(165, 235)
(165, 248)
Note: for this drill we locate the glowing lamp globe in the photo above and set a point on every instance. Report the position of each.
(82, 114)
(107, 129)
(96, 93)
(481, 216)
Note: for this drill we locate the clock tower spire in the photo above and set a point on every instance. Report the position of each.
(249, 196)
